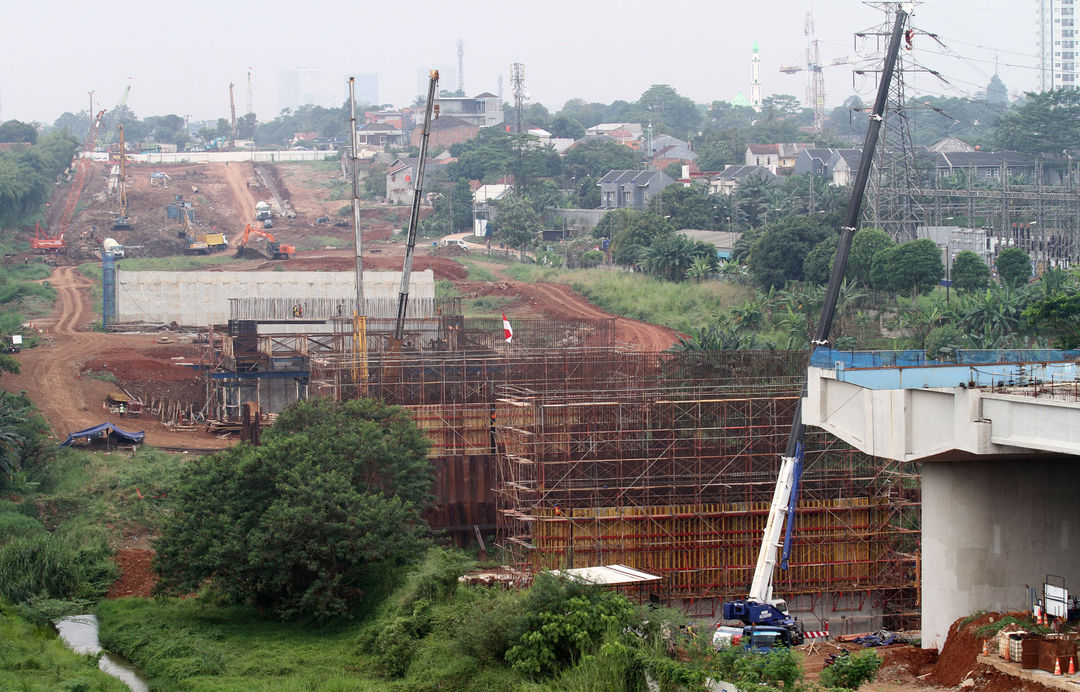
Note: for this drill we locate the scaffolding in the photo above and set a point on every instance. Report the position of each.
(663, 461)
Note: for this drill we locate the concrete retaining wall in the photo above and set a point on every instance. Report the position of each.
(201, 299)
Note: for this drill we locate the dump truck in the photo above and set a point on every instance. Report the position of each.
(262, 211)
(110, 247)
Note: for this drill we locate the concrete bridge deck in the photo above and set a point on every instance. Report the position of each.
(998, 436)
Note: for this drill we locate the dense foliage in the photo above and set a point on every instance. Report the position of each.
(27, 174)
(302, 525)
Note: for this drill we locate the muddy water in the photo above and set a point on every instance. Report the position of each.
(80, 633)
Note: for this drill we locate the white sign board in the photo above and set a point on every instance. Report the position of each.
(16, 339)
(1057, 600)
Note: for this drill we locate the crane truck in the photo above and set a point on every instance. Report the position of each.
(759, 612)
(275, 248)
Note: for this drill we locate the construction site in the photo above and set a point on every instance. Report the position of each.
(568, 451)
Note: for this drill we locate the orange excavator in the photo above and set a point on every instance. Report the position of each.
(276, 249)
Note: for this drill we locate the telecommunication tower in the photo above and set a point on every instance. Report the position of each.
(250, 94)
(517, 79)
(461, 66)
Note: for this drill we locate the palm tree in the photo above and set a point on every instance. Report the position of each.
(699, 269)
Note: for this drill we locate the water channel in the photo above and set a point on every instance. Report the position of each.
(80, 633)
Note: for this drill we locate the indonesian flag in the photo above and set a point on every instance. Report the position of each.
(508, 331)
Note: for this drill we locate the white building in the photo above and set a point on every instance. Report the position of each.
(1056, 43)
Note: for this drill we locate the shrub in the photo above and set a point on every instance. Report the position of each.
(849, 672)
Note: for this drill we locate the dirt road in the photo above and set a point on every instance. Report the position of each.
(558, 300)
(236, 176)
(52, 374)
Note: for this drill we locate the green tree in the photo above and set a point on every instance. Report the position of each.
(864, 246)
(566, 127)
(1058, 316)
(778, 254)
(914, 267)
(596, 158)
(517, 222)
(304, 524)
(670, 256)
(16, 131)
(686, 207)
(564, 621)
(1014, 267)
(969, 272)
(631, 233)
(818, 265)
(1048, 121)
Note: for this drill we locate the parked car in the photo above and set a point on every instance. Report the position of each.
(456, 242)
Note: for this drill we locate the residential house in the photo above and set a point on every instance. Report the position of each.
(843, 165)
(985, 165)
(399, 181)
(631, 189)
(780, 159)
(814, 161)
(723, 241)
(728, 180)
(667, 150)
(624, 133)
(380, 135)
(401, 177)
(446, 130)
(394, 118)
(949, 145)
(482, 110)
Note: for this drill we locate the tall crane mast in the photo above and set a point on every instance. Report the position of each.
(815, 77)
(232, 108)
(414, 217)
(82, 167)
(760, 608)
(122, 222)
(250, 94)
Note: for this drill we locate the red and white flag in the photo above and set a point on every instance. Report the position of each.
(508, 332)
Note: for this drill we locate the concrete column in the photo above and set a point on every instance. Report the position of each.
(991, 527)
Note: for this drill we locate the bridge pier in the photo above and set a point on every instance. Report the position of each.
(990, 527)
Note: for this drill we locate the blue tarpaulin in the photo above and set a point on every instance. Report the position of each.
(105, 430)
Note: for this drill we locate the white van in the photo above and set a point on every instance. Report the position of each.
(456, 242)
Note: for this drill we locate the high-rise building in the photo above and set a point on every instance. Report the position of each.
(1056, 43)
(306, 86)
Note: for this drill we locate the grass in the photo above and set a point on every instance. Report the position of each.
(103, 375)
(195, 644)
(33, 658)
(318, 242)
(86, 489)
(485, 306)
(683, 306)
(174, 263)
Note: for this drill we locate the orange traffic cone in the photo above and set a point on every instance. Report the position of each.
(1057, 666)
(1072, 665)
(986, 647)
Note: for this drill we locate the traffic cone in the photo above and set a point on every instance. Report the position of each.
(1072, 665)
(986, 647)
(1057, 666)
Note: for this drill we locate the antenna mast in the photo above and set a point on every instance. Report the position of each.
(517, 79)
(461, 66)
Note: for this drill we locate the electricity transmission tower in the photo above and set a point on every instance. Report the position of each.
(894, 203)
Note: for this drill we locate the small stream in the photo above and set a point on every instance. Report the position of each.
(80, 634)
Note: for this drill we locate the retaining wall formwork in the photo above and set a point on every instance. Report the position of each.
(665, 462)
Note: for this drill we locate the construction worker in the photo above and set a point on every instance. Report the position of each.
(123, 409)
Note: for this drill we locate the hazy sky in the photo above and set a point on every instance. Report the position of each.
(180, 57)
